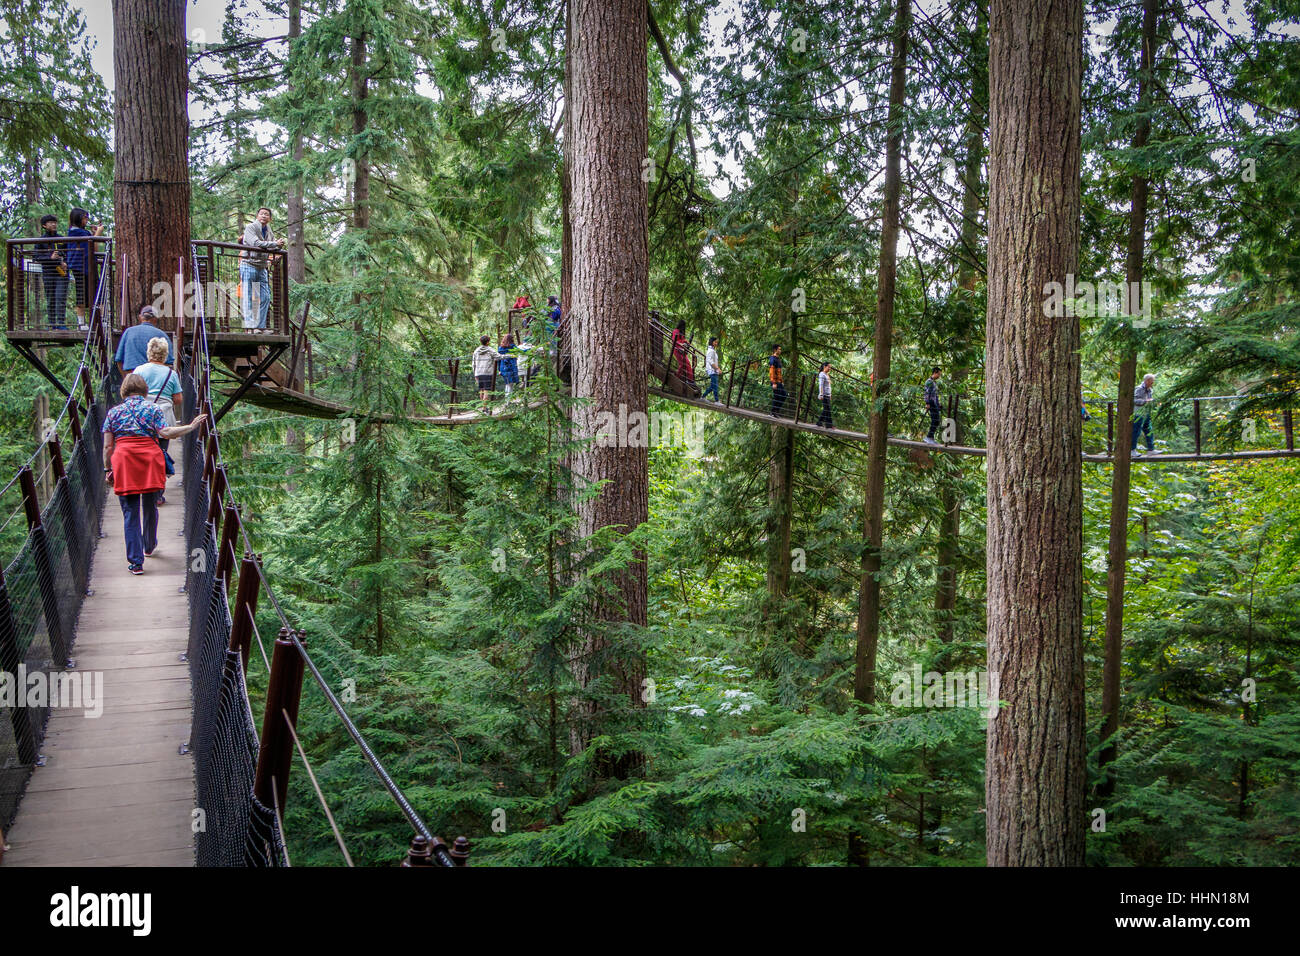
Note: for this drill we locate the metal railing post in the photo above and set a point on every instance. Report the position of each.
(283, 692)
(1196, 424)
(246, 593)
(226, 547)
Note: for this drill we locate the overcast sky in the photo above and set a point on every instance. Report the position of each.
(204, 15)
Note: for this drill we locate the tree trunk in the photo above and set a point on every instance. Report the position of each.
(295, 248)
(946, 578)
(780, 475)
(566, 172)
(868, 632)
(1035, 768)
(1117, 554)
(609, 317)
(151, 195)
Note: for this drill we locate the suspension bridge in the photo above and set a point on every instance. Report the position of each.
(179, 769)
(176, 769)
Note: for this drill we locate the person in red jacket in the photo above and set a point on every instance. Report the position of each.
(133, 463)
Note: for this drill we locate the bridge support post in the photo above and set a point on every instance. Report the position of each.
(226, 547)
(74, 422)
(1289, 427)
(10, 658)
(283, 692)
(44, 569)
(1196, 423)
(241, 623)
(78, 558)
(89, 386)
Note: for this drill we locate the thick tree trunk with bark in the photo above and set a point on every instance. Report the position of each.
(868, 631)
(151, 194)
(566, 172)
(1117, 554)
(609, 316)
(1036, 745)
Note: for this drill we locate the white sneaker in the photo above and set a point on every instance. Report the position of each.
(930, 441)
(1135, 453)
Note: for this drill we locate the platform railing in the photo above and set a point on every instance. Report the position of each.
(48, 279)
(230, 302)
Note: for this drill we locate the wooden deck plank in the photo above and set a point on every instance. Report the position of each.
(115, 790)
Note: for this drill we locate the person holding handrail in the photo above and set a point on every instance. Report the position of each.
(133, 464)
(1142, 415)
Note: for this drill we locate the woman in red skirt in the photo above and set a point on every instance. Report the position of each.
(133, 462)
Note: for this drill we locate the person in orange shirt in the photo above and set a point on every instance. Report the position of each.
(775, 373)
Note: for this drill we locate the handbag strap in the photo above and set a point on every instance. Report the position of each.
(158, 394)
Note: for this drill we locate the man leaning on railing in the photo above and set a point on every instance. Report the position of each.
(254, 274)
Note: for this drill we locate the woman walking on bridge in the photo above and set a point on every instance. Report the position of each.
(133, 463)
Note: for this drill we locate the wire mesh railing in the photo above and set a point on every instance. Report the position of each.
(43, 585)
(242, 775)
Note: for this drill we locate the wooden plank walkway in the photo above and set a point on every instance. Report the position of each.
(115, 790)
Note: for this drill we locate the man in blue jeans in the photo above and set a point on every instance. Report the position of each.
(711, 367)
(254, 274)
(1142, 415)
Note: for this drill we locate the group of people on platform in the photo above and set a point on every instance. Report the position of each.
(488, 362)
(65, 261)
